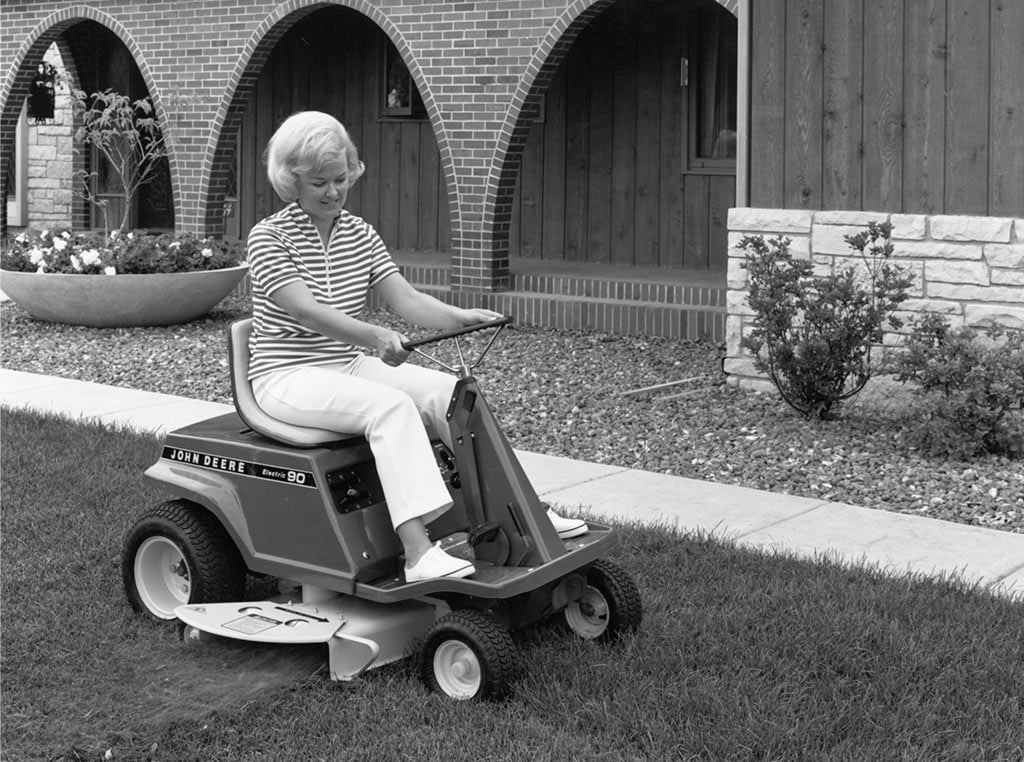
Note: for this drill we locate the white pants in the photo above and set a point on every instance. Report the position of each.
(393, 407)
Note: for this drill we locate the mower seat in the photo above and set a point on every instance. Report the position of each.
(248, 409)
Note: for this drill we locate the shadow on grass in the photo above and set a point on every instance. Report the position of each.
(741, 655)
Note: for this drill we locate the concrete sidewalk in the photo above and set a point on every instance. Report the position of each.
(806, 527)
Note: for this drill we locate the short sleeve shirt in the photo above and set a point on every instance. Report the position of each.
(285, 248)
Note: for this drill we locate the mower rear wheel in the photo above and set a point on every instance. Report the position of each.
(177, 553)
(469, 655)
(610, 606)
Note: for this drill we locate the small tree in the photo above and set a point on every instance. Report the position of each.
(813, 334)
(127, 135)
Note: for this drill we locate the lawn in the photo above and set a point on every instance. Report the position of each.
(741, 655)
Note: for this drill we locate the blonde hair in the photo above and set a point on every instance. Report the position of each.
(303, 143)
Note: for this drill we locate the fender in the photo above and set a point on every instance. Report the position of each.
(215, 493)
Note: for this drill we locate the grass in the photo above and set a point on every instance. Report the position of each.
(741, 655)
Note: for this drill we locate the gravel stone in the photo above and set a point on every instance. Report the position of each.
(578, 394)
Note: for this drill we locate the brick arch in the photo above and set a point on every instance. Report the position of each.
(17, 83)
(242, 80)
(523, 108)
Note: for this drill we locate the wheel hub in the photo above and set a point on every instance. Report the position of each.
(589, 616)
(162, 576)
(457, 669)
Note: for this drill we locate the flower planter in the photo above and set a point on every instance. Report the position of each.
(111, 301)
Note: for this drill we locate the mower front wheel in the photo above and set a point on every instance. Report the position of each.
(610, 605)
(175, 554)
(467, 654)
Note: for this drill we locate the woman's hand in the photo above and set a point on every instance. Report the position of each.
(474, 316)
(387, 345)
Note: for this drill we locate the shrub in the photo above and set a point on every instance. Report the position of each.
(813, 334)
(973, 385)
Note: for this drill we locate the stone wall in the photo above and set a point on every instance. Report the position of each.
(970, 269)
(49, 155)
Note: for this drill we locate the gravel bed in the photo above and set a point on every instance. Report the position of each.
(575, 394)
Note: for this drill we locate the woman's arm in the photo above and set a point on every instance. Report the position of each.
(424, 310)
(299, 302)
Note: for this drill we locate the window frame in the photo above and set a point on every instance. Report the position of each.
(414, 110)
(690, 75)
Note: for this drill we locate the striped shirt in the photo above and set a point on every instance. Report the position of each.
(285, 248)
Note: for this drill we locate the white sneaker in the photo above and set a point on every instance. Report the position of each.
(567, 528)
(435, 563)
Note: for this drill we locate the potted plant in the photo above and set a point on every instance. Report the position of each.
(120, 279)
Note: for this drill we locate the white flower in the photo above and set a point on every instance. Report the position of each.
(174, 245)
(131, 236)
(59, 244)
(21, 238)
(76, 263)
(41, 268)
(207, 253)
(114, 234)
(36, 256)
(109, 271)
(90, 257)
(66, 235)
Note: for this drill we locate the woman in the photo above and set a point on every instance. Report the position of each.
(316, 363)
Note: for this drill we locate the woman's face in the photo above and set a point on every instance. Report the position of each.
(323, 191)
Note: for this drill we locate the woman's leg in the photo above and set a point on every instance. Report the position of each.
(431, 390)
(328, 397)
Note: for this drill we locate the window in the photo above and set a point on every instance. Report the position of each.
(710, 74)
(400, 97)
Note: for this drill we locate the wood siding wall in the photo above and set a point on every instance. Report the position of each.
(331, 61)
(910, 106)
(603, 174)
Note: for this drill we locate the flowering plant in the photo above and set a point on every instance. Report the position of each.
(62, 251)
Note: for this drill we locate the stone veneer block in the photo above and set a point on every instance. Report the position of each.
(737, 303)
(736, 277)
(830, 239)
(839, 217)
(1002, 276)
(1018, 227)
(800, 247)
(952, 227)
(949, 271)
(734, 251)
(743, 366)
(909, 226)
(911, 307)
(969, 293)
(768, 221)
(989, 314)
(1005, 254)
(733, 335)
(939, 250)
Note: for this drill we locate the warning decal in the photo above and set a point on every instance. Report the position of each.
(253, 624)
(242, 467)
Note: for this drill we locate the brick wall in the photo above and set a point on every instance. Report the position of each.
(474, 63)
(479, 64)
(970, 269)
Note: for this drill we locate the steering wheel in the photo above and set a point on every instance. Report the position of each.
(464, 368)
